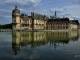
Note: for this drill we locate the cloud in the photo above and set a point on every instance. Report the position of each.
(73, 10)
(67, 14)
(69, 11)
(6, 7)
(30, 3)
(5, 16)
(76, 2)
(63, 7)
(76, 17)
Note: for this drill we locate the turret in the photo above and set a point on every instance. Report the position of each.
(15, 19)
(16, 12)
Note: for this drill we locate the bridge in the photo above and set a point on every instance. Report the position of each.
(5, 30)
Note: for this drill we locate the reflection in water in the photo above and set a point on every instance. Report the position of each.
(41, 38)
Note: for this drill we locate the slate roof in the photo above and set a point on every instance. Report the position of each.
(24, 14)
(29, 16)
(58, 20)
(16, 10)
(74, 22)
(38, 16)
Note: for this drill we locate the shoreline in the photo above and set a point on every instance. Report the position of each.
(10, 30)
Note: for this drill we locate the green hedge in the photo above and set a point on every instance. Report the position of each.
(6, 26)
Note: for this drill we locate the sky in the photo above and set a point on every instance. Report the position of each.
(66, 8)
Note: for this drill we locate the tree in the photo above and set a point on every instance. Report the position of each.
(6, 26)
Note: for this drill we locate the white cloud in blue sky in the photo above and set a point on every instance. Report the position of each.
(67, 8)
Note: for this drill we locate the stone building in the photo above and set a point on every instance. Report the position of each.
(74, 24)
(57, 24)
(16, 19)
(25, 22)
(41, 22)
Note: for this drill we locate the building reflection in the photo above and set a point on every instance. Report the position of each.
(35, 39)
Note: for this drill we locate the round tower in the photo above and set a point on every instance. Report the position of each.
(16, 19)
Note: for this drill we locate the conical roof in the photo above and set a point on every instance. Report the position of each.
(16, 10)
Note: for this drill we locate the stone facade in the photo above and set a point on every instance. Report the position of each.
(74, 24)
(58, 24)
(25, 22)
(16, 19)
(41, 22)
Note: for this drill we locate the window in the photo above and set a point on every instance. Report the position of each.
(66, 27)
(30, 21)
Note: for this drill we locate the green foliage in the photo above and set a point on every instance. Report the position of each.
(6, 26)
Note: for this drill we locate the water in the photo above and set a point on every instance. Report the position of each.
(40, 45)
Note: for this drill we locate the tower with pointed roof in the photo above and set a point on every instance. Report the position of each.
(55, 13)
(16, 19)
(55, 16)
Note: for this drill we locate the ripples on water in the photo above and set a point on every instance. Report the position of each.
(40, 45)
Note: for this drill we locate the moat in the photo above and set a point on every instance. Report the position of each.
(40, 45)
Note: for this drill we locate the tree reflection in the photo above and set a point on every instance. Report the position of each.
(35, 39)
